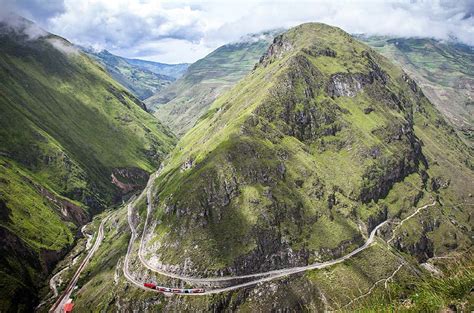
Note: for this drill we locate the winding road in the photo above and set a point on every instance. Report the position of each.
(57, 306)
(260, 277)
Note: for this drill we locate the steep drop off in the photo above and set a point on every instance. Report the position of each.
(72, 142)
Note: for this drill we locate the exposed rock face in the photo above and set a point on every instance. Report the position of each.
(368, 110)
(69, 211)
(129, 179)
(348, 85)
(272, 252)
(317, 51)
(187, 165)
(292, 161)
(276, 50)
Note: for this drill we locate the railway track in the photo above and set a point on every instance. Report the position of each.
(56, 307)
(259, 277)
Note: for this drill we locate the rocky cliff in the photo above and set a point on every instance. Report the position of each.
(295, 163)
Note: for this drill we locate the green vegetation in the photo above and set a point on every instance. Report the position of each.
(290, 167)
(29, 213)
(444, 70)
(181, 104)
(66, 126)
(430, 293)
(297, 135)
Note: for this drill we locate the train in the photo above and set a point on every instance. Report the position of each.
(173, 290)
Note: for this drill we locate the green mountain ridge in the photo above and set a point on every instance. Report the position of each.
(296, 164)
(181, 104)
(142, 78)
(172, 70)
(444, 70)
(336, 123)
(72, 142)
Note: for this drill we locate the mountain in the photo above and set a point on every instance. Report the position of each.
(183, 102)
(142, 78)
(444, 70)
(72, 142)
(172, 70)
(323, 147)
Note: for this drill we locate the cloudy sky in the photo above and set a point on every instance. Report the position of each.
(184, 31)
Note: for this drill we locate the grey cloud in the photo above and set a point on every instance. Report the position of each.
(39, 10)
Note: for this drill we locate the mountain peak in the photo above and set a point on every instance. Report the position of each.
(319, 134)
(312, 38)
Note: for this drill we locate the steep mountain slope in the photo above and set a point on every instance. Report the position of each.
(183, 102)
(444, 71)
(139, 80)
(288, 166)
(172, 70)
(72, 142)
(295, 165)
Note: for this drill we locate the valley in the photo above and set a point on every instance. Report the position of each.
(299, 169)
(371, 224)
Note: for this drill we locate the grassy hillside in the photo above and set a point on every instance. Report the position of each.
(307, 147)
(444, 71)
(183, 102)
(135, 75)
(72, 141)
(296, 164)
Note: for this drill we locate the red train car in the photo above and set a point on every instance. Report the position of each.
(172, 290)
(150, 285)
(68, 306)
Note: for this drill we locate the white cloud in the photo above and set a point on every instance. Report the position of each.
(123, 24)
(21, 26)
(63, 46)
(182, 31)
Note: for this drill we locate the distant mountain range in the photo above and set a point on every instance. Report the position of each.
(171, 70)
(142, 78)
(180, 104)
